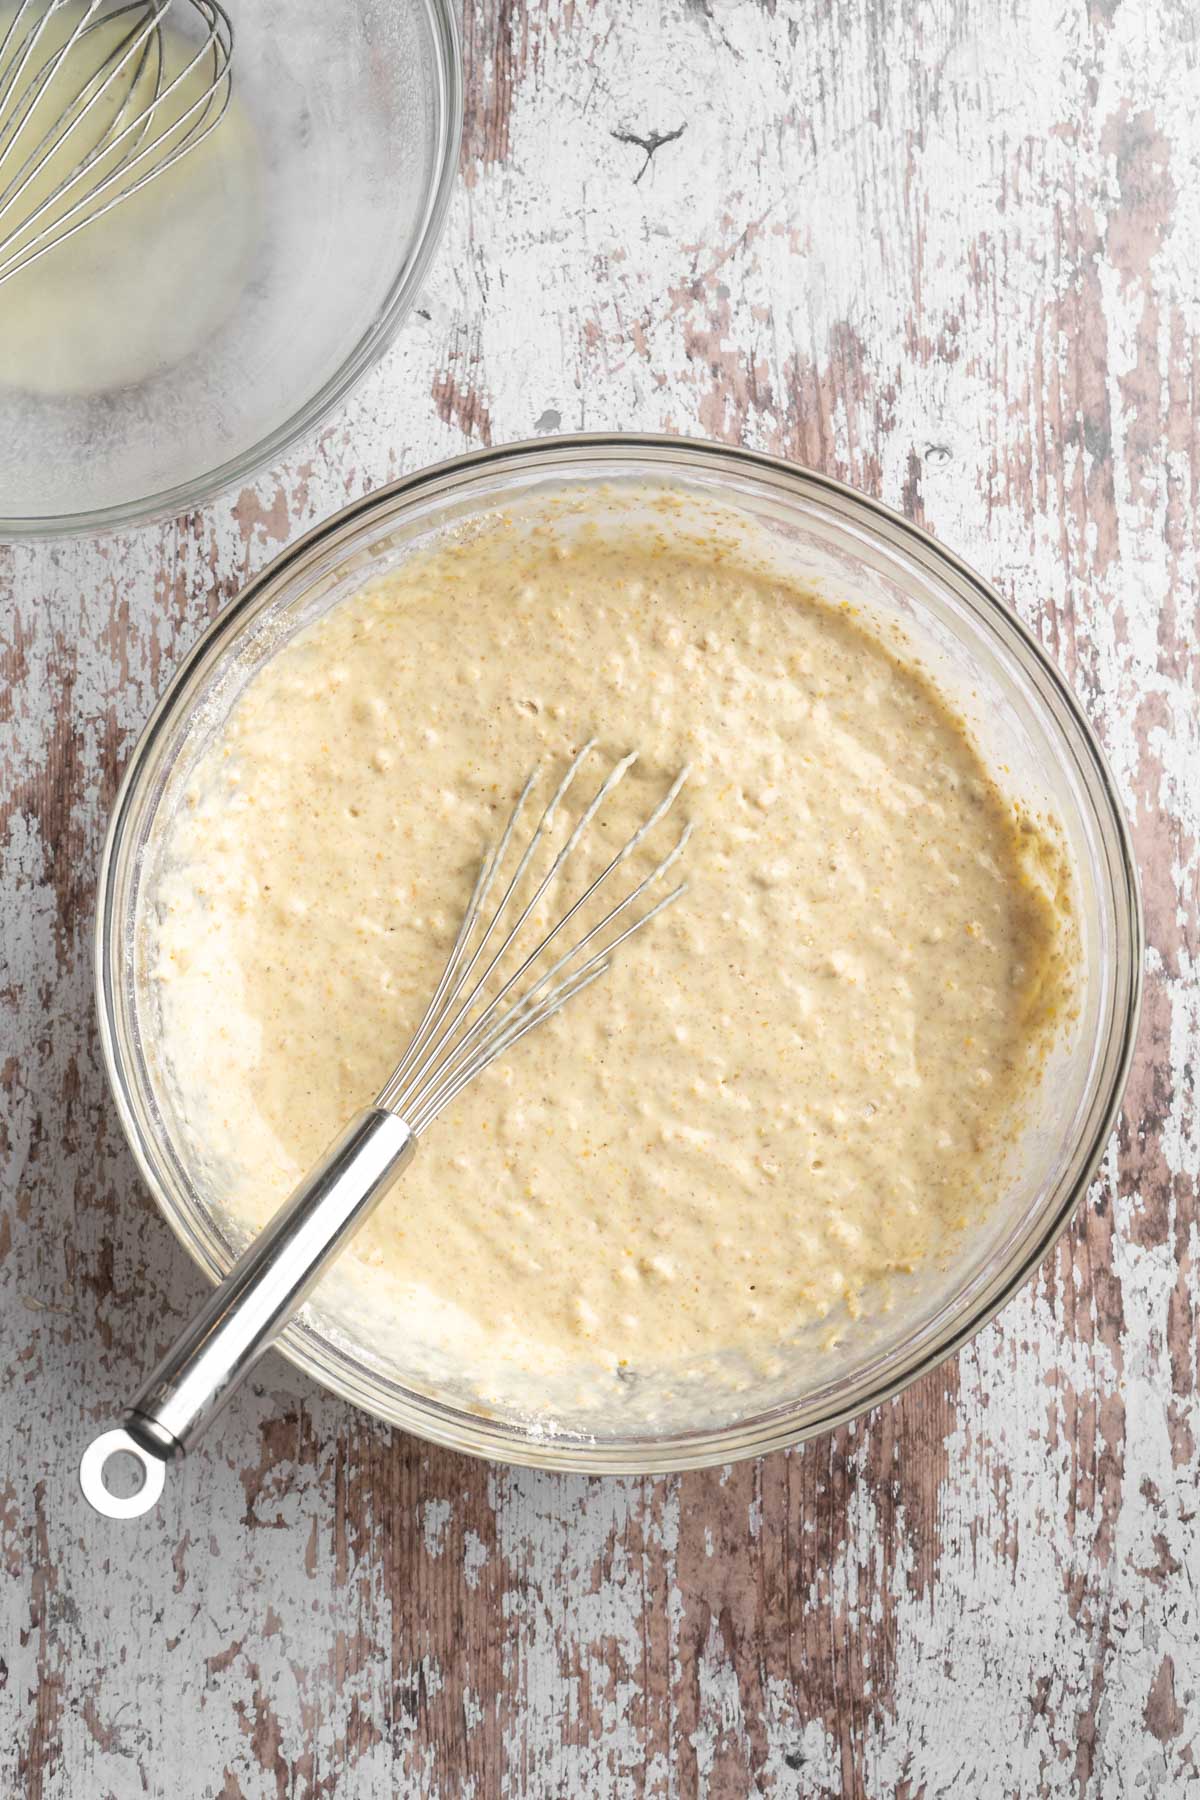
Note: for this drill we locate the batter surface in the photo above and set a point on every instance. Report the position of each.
(794, 1086)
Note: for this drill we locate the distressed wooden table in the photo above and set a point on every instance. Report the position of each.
(947, 250)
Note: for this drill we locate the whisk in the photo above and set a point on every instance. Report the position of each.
(507, 973)
(91, 111)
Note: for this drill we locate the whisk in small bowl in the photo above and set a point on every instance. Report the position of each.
(508, 971)
(93, 109)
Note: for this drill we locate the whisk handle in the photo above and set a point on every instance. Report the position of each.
(251, 1306)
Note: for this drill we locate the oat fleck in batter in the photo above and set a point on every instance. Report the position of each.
(793, 1088)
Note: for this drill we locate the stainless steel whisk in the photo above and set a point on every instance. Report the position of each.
(102, 99)
(492, 991)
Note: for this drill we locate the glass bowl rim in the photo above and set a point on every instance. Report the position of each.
(475, 1433)
(236, 470)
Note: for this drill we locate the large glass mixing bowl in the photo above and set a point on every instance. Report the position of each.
(1025, 719)
(184, 342)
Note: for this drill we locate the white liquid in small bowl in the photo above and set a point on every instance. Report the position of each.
(141, 288)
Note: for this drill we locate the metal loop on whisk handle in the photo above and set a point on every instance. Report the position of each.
(492, 992)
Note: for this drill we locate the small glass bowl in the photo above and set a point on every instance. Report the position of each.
(1025, 719)
(319, 199)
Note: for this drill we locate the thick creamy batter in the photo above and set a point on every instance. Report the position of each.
(795, 1086)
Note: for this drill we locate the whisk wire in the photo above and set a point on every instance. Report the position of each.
(551, 875)
(450, 1045)
(99, 78)
(448, 1089)
(463, 976)
(454, 975)
(433, 1010)
(462, 1030)
(561, 926)
(145, 134)
(521, 1018)
(610, 917)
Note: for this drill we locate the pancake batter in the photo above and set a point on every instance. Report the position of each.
(795, 1086)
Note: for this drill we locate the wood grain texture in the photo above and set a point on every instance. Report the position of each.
(947, 250)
